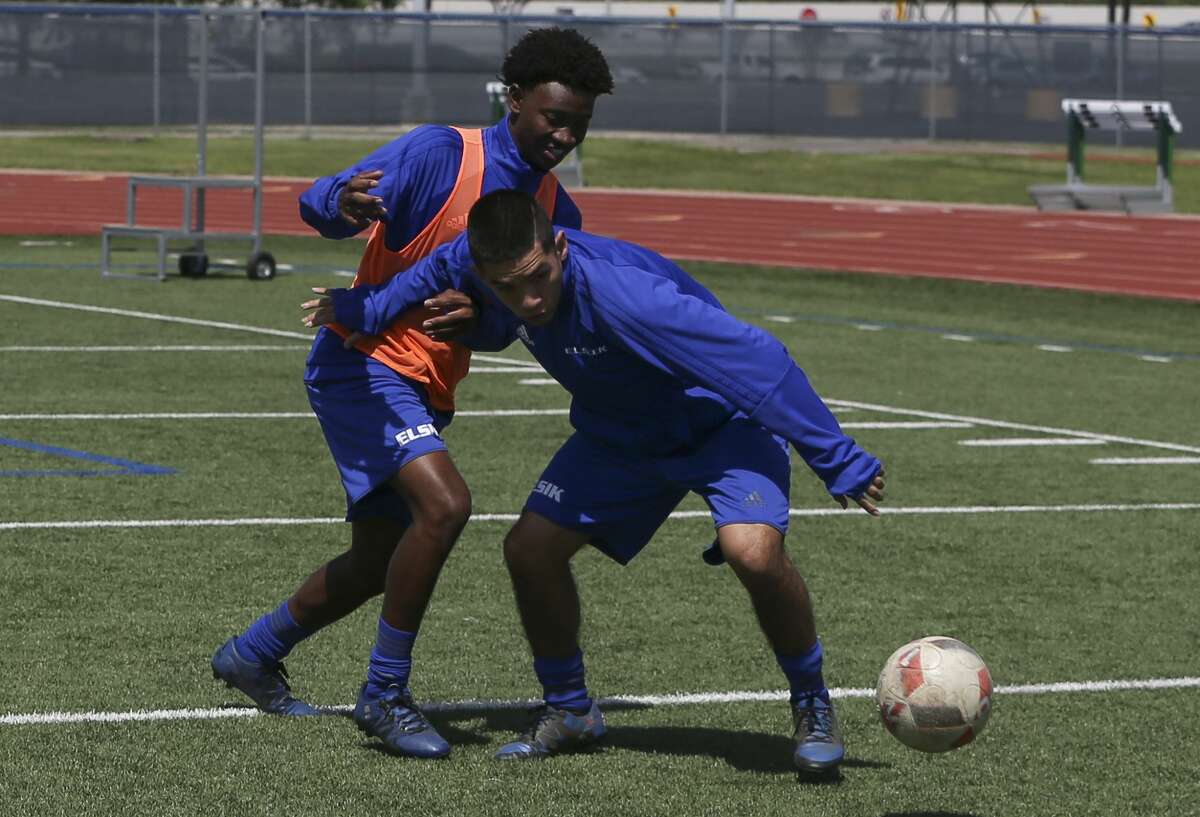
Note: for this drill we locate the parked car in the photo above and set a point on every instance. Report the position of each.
(754, 65)
(883, 67)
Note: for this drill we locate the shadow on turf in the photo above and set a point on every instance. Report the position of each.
(747, 751)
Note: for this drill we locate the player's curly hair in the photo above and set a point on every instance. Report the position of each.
(560, 55)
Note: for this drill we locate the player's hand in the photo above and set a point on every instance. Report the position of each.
(357, 206)
(456, 316)
(867, 499)
(322, 313)
(322, 308)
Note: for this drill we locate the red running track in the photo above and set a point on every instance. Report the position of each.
(1151, 256)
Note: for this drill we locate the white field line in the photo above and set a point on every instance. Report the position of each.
(297, 415)
(915, 424)
(261, 415)
(1147, 461)
(537, 381)
(297, 347)
(1021, 442)
(154, 316)
(237, 327)
(852, 513)
(675, 699)
(1067, 432)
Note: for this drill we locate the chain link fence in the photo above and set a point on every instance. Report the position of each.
(140, 66)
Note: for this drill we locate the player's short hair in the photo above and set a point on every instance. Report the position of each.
(504, 225)
(560, 55)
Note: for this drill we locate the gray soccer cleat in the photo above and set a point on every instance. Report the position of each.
(818, 747)
(555, 731)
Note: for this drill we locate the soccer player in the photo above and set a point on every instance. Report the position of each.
(383, 403)
(670, 394)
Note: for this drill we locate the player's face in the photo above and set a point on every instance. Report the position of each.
(548, 121)
(530, 286)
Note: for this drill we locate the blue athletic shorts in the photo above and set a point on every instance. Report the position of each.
(375, 423)
(742, 471)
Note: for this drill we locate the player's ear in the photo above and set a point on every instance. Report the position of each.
(515, 97)
(560, 246)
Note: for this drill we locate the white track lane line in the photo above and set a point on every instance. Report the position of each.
(851, 513)
(615, 701)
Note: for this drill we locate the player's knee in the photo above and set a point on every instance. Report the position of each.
(753, 556)
(522, 553)
(445, 513)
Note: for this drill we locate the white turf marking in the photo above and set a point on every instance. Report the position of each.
(852, 513)
(507, 361)
(1154, 358)
(915, 424)
(538, 381)
(959, 338)
(1051, 347)
(1148, 461)
(1017, 442)
(677, 699)
(934, 415)
(226, 348)
(261, 415)
(154, 316)
(779, 318)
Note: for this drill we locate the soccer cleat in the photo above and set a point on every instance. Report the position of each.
(266, 685)
(818, 746)
(712, 554)
(395, 719)
(555, 731)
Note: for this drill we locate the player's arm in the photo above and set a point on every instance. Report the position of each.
(371, 309)
(342, 205)
(706, 346)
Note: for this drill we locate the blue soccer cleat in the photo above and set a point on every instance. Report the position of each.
(266, 685)
(818, 747)
(555, 731)
(394, 718)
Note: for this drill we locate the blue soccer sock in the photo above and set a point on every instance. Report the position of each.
(391, 660)
(562, 682)
(271, 638)
(803, 672)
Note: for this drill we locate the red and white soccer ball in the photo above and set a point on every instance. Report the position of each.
(934, 694)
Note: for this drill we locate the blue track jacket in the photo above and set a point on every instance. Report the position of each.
(653, 362)
(419, 171)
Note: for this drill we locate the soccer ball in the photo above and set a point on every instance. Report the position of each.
(934, 694)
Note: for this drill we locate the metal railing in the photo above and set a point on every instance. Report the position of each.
(138, 66)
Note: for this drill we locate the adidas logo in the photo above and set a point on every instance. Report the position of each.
(457, 223)
(753, 500)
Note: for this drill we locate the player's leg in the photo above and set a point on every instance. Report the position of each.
(585, 495)
(344, 583)
(253, 660)
(744, 475)
(435, 497)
